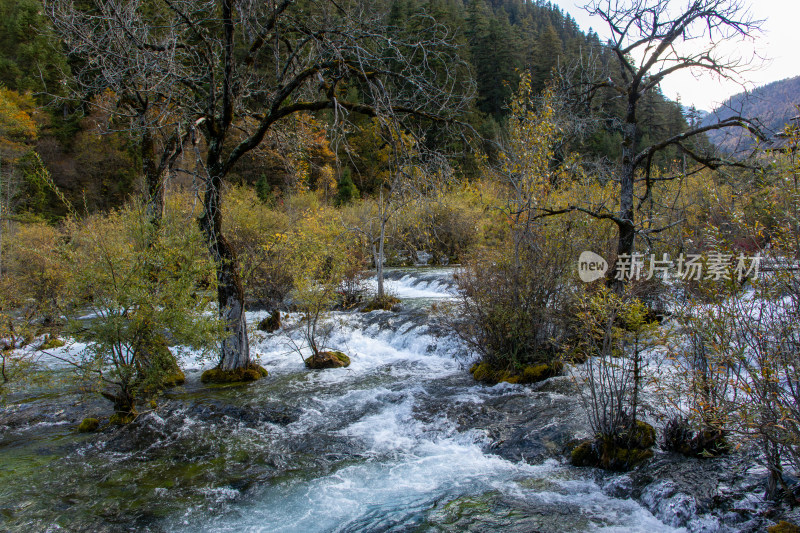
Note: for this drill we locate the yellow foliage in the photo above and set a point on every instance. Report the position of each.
(17, 125)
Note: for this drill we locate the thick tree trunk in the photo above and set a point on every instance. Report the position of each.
(775, 478)
(625, 225)
(155, 177)
(235, 348)
(627, 176)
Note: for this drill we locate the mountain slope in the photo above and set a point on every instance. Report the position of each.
(773, 105)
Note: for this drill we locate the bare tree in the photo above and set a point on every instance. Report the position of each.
(126, 71)
(235, 68)
(413, 172)
(650, 41)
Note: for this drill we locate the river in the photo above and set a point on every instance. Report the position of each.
(402, 440)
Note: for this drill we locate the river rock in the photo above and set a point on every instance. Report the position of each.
(723, 491)
(332, 359)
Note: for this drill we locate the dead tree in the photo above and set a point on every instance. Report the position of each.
(650, 41)
(237, 68)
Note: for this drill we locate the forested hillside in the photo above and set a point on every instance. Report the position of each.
(95, 164)
(774, 105)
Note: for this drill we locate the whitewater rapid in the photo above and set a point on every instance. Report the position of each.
(404, 471)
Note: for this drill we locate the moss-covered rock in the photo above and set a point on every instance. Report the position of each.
(485, 373)
(332, 359)
(620, 453)
(88, 425)
(174, 379)
(387, 303)
(536, 373)
(122, 418)
(50, 343)
(584, 454)
(709, 443)
(272, 323)
(641, 435)
(783, 527)
(680, 437)
(240, 375)
(482, 372)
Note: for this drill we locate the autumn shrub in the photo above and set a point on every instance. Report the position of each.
(616, 333)
(511, 302)
(445, 225)
(701, 392)
(16, 330)
(33, 290)
(737, 369)
(135, 290)
(516, 288)
(321, 256)
(257, 233)
(764, 351)
(35, 277)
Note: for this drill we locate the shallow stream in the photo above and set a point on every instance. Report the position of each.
(401, 440)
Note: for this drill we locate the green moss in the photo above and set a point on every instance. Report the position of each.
(482, 372)
(625, 459)
(386, 303)
(536, 373)
(89, 425)
(485, 373)
(477, 503)
(584, 455)
(240, 375)
(332, 359)
(120, 418)
(642, 435)
(51, 343)
(175, 379)
(620, 453)
(272, 323)
(783, 527)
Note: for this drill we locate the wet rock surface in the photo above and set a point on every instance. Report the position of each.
(725, 491)
(536, 423)
(524, 423)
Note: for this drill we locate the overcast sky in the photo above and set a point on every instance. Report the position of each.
(779, 43)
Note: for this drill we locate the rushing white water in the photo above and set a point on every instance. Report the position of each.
(407, 470)
(411, 283)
